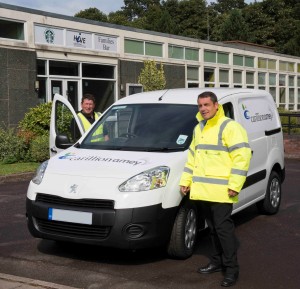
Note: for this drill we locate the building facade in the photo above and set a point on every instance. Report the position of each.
(45, 53)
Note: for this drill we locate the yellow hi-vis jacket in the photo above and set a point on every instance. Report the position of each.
(218, 159)
(98, 134)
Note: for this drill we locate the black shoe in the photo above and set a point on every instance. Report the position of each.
(229, 280)
(210, 268)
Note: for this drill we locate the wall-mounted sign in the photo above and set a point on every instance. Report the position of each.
(106, 43)
(79, 39)
(48, 35)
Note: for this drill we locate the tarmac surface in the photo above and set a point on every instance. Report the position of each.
(15, 282)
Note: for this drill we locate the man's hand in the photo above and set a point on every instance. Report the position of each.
(232, 193)
(184, 190)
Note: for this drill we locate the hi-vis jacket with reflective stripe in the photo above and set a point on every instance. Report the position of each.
(98, 134)
(218, 159)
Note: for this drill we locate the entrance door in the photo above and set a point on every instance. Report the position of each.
(68, 88)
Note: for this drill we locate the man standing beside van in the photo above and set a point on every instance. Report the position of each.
(215, 171)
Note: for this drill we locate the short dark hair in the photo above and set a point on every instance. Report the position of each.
(88, 96)
(209, 94)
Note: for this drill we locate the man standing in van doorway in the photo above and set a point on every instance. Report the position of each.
(87, 116)
(215, 171)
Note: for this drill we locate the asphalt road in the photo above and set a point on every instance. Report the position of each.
(269, 252)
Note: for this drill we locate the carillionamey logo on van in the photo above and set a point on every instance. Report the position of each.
(72, 157)
(256, 116)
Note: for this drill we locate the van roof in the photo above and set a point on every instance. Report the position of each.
(185, 95)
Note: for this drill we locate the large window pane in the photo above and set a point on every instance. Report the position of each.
(272, 79)
(290, 66)
(63, 68)
(261, 78)
(224, 75)
(176, 52)
(210, 56)
(133, 46)
(262, 63)
(192, 54)
(282, 79)
(209, 75)
(153, 49)
(238, 60)
(249, 77)
(98, 71)
(291, 81)
(41, 67)
(282, 66)
(249, 61)
(272, 64)
(237, 76)
(192, 73)
(223, 58)
(11, 30)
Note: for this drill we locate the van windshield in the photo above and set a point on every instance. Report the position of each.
(144, 127)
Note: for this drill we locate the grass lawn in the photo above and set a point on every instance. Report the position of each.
(8, 169)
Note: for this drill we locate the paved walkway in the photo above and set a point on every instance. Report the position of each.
(14, 282)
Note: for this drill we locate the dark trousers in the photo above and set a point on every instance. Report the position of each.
(224, 241)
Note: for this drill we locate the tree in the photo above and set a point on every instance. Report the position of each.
(234, 27)
(223, 6)
(92, 14)
(151, 77)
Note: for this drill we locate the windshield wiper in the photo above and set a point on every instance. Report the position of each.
(164, 149)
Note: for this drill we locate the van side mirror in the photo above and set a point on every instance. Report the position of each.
(62, 141)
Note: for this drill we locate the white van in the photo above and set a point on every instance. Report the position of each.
(124, 192)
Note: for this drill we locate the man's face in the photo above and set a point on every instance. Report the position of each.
(87, 106)
(207, 108)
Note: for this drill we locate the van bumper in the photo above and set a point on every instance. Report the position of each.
(133, 228)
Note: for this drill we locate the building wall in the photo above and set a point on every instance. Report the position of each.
(17, 75)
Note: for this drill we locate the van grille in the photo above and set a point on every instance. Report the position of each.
(72, 230)
(86, 203)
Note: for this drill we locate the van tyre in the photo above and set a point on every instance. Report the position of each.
(184, 232)
(271, 203)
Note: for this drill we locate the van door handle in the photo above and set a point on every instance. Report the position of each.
(251, 152)
(53, 150)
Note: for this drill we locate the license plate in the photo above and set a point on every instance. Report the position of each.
(70, 216)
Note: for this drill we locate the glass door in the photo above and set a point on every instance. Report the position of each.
(67, 88)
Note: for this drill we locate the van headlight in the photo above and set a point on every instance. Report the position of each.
(37, 179)
(149, 180)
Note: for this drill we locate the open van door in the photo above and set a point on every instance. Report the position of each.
(65, 127)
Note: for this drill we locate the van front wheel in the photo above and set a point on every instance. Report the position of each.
(184, 232)
(270, 204)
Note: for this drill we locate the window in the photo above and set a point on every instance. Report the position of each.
(250, 79)
(191, 54)
(286, 66)
(153, 49)
(209, 77)
(63, 68)
(261, 80)
(241, 60)
(98, 71)
(262, 63)
(210, 56)
(272, 85)
(272, 64)
(11, 29)
(224, 78)
(176, 52)
(143, 47)
(282, 90)
(192, 73)
(237, 78)
(223, 58)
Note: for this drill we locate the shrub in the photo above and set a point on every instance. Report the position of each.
(39, 148)
(37, 121)
(12, 147)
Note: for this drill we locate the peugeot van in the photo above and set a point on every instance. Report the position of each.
(124, 192)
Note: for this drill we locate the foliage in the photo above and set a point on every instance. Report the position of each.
(92, 14)
(37, 120)
(39, 148)
(275, 23)
(12, 147)
(151, 77)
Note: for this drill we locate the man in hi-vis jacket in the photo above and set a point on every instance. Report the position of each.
(216, 169)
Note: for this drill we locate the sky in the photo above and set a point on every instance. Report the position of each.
(71, 7)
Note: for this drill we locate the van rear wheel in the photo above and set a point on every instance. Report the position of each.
(271, 203)
(184, 232)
